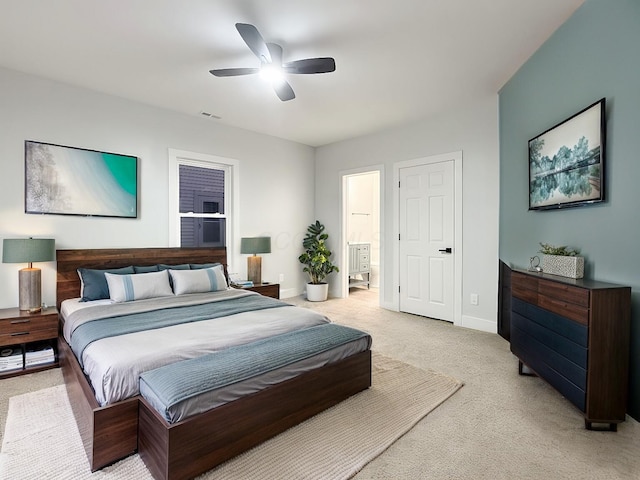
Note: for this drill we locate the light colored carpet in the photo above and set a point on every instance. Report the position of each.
(500, 426)
(41, 440)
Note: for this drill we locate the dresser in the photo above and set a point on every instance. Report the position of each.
(575, 335)
(359, 264)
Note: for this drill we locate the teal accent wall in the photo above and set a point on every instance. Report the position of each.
(595, 54)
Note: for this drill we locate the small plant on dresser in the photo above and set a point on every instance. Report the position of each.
(562, 261)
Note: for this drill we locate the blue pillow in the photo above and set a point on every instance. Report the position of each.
(94, 283)
(184, 266)
(146, 268)
(200, 266)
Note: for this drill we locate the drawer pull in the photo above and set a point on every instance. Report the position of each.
(25, 320)
(558, 302)
(18, 334)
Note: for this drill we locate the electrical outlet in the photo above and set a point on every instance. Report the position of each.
(281, 278)
(474, 299)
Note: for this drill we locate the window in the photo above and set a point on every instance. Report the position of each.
(202, 214)
(202, 194)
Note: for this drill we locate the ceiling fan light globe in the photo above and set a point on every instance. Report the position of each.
(271, 73)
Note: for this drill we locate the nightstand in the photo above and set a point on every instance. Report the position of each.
(266, 289)
(33, 336)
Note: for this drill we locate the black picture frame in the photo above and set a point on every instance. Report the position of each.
(63, 180)
(567, 161)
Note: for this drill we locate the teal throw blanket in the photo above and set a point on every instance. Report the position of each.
(179, 381)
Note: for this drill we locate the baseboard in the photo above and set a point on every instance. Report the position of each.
(389, 306)
(289, 293)
(479, 324)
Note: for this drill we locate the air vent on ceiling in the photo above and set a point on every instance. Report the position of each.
(210, 115)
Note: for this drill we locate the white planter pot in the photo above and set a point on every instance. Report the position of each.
(572, 267)
(317, 292)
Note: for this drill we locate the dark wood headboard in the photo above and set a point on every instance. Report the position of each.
(68, 282)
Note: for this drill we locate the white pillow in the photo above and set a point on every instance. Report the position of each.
(198, 281)
(124, 288)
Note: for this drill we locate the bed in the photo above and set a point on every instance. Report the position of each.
(115, 426)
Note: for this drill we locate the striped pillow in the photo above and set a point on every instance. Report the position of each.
(125, 288)
(198, 281)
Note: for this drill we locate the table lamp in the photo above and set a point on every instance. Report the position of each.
(255, 245)
(29, 250)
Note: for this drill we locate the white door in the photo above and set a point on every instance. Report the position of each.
(427, 240)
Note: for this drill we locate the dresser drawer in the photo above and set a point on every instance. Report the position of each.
(266, 289)
(363, 248)
(524, 281)
(28, 329)
(27, 324)
(568, 310)
(525, 294)
(564, 293)
(524, 287)
(25, 336)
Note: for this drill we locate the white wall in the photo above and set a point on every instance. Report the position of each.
(473, 130)
(276, 176)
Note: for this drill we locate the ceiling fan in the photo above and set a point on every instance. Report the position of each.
(271, 66)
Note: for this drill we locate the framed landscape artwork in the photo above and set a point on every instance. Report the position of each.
(75, 181)
(567, 162)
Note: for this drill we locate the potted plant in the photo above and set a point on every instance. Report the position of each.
(562, 261)
(317, 262)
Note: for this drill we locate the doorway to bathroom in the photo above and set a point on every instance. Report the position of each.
(361, 210)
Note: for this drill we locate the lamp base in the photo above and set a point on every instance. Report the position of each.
(254, 269)
(30, 289)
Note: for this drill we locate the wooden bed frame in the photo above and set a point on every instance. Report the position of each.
(197, 444)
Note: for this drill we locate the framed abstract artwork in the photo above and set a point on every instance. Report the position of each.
(76, 181)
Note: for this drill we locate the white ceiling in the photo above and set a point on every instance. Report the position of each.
(397, 61)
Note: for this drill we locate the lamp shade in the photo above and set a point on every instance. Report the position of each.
(253, 245)
(28, 250)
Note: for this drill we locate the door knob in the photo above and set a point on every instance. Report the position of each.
(445, 250)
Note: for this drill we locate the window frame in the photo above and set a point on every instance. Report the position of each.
(231, 194)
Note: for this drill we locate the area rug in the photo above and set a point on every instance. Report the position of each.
(41, 439)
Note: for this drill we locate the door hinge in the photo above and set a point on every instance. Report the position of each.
(398, 288)
(398, 183)
(398, 237)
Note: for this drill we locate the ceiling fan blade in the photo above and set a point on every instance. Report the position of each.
(254, 41)
(310, 65)
(283, 90)
(276, 53)
(232, 72)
